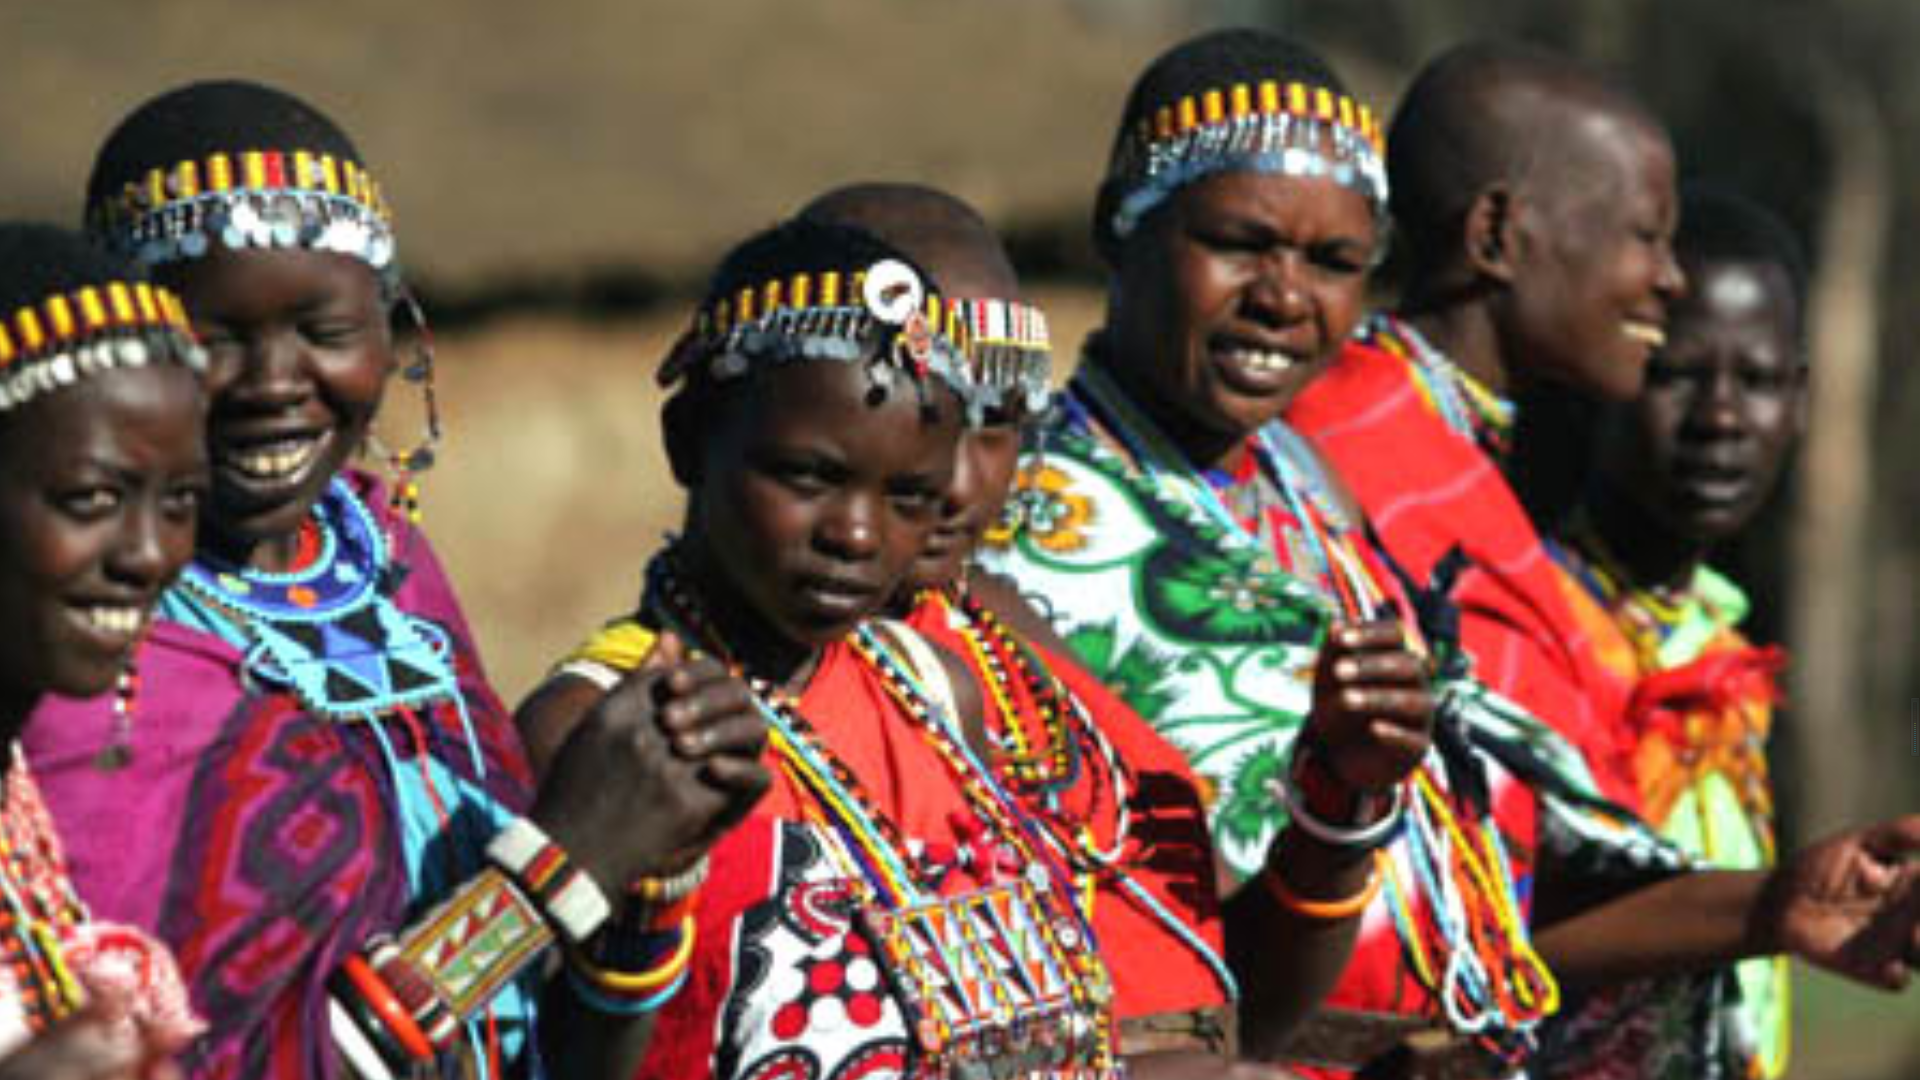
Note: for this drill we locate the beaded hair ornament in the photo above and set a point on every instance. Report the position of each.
(252, 199)
(1009, 358)
(1294, 129)
(69, 336)
(883, 315)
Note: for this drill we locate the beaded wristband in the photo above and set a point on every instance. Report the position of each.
(673, 888)
(587, 992)
(1324, 910)
(627, 985)
(567, 895)
(475, 942)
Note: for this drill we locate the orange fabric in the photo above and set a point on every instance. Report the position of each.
(1708, 716)
(1427, 491)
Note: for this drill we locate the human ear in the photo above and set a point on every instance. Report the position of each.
(1488, 233)
(679, 426)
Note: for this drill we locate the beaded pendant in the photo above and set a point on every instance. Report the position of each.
(327, 632)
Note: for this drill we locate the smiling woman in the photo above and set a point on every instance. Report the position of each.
(310, 699)
(101, 469)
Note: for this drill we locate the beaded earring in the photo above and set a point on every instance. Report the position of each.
(117, 754)
(405, 467)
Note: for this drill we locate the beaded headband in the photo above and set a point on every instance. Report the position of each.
(253, 199)
(69, 336)
(883, 313)
(1010, 355)
(1295, 129)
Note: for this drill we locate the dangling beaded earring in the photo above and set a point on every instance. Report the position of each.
(117, 754)
(406, 467)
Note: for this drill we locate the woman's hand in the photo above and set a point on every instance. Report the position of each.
(1851, 903)
(657, 770)
(1372, 715)
(88, 1047)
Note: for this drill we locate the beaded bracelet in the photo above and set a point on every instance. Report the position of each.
(628, 985)
(1325, 910)
(674, 887)
(587, 992)
(567, 895)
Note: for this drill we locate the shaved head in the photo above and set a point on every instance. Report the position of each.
(940, 232)
(1501, 113)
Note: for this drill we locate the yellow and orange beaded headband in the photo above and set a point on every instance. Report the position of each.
(1293, 128)
(72, 335)
(252, 199)
(882, 314)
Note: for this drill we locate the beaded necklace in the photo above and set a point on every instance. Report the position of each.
(1471, 950)
(998, 653)
(328, 632)
(1649, 614)
(40, 907)
(1465, 403)
(895, 894)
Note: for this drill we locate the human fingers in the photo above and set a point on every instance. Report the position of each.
(84, 1048)
(668, 651)
(1387, 666)
(1373, 635)
(705, 704)
(1894, 840)
(1411, 707)
(688, 676)
(740, 735)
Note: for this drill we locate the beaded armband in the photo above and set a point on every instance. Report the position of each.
(568, 897)
(412, 994)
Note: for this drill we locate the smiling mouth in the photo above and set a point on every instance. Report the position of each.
(115, 626)
(280, 460)
(1650, 334)
(837, 598)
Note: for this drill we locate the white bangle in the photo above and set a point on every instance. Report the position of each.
(565, 893)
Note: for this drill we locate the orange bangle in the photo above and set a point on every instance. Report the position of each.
(1324, 910)
(386, 1006)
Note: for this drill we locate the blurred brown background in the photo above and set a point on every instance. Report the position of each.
(563, 174)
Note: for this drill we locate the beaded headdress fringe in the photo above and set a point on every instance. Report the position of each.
(882, 314)
(252, 199)
(1009, 355)
(1292, 129)
(69, 336)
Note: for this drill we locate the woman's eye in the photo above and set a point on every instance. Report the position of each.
(331, 333)
(1340, 261)
(89, 502)
(182, 502)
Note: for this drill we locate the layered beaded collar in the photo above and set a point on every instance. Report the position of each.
(329, 631)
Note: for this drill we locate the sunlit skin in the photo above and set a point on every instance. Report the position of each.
(808, 504)
(982, 479)
(1232, 296)
(1691, 462)
(1589, 263)
(98, 499)
(300, 349)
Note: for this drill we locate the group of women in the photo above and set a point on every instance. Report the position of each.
(964, 728)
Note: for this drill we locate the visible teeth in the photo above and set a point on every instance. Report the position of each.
(1262, 359)
(1646, 334)
(274, 463)
(116, 620)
